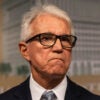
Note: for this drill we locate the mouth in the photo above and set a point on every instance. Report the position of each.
(57, 59)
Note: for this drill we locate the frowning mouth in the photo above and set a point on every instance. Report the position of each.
(59, 59)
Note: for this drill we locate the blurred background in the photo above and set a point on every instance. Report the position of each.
(85, 66)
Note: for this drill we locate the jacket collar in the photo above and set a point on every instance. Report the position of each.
(23, 92)
(73, 91)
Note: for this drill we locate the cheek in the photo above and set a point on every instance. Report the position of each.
(38, 56)
(68, 58)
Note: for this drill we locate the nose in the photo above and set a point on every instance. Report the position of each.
(57, 47)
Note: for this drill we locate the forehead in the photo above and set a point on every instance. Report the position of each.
(49, 23)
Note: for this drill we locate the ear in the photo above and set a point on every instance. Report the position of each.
(24, 50)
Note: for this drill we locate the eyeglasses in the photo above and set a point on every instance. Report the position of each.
(49, 40)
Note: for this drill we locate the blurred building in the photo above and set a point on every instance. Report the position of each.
(85, 16)
(1, 18)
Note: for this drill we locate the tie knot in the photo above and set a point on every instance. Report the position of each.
(48, 96)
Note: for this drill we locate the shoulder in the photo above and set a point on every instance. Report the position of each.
(79, 91)
(15, 91)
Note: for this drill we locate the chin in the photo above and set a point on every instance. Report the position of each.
(57, 75)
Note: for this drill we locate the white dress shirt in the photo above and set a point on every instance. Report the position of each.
(37, 90)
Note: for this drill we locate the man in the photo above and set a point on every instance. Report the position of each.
(47, 40)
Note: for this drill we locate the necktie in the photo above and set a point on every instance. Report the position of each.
(48, 96)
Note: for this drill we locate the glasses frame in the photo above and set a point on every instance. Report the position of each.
(37, 38)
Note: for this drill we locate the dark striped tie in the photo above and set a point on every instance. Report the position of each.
(48, 96)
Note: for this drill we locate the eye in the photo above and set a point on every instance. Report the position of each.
(65, 38)
(47, 37)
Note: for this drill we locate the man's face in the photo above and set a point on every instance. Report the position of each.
(52, 61)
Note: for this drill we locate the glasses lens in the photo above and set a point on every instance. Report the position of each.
(67, 41)
(47, 39)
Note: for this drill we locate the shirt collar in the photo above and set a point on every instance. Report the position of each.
(37, 90)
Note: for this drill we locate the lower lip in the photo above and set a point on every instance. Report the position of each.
(57, 61)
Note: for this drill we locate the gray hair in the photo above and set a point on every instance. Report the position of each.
(35, 11)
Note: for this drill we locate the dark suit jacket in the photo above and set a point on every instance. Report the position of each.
(73, 92)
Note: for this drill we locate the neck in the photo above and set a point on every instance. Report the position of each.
(47, 82)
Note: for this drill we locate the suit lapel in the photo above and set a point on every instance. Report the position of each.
(23, 91)
(72, 92)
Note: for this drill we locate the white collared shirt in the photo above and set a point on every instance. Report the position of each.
(37, 90)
